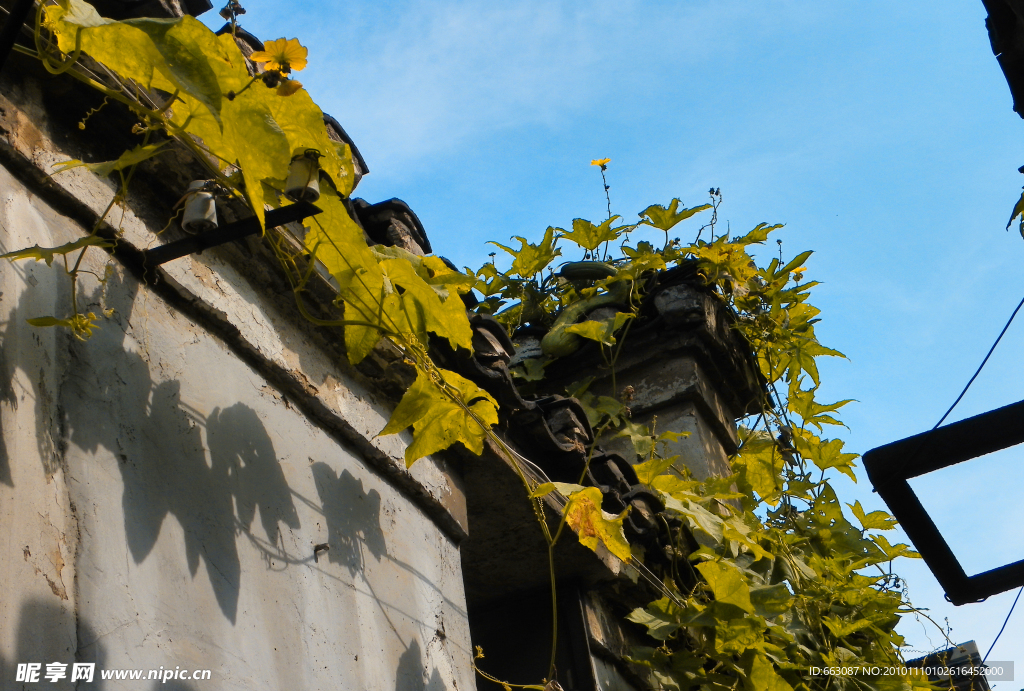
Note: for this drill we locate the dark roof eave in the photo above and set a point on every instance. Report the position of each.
(1005, 24)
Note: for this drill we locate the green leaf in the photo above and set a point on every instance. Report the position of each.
(665, 218)
(394, 295)
(584, 515)
(810, 411)
(739, 635)
(727, 583)
(125, 160)
(301, 122)
(842, 628)
(335, 240)
(760, 464)
(876, 520)
(758, 235)
(601, 331)
(80, 13)
(440, 419)
(530, 258)
(50, 321)
(734, 530)
(647, 471)
(1018, 210)
(705, 526)
(771, 600)
(796, 262)
(436, 273)
(893, 551)
(761, 674)
(257, 130)
(825, 453)
(598, 408)
(532, 369)
(661, 618)
(642, 260)
(593, 331)
(639, 436)
(590, 237)
(47, 254)
(672, 436)
(490, 281)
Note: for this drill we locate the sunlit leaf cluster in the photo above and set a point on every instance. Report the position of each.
(770, 576)
(186, 84)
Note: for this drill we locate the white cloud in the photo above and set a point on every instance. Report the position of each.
(413, 79)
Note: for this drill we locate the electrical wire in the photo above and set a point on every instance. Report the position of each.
(1005, 621)
(982, 365)
(913, 456)
(943, 419)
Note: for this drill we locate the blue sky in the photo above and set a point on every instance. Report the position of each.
(880, 133)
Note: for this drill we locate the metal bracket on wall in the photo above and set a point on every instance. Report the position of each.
(232, 231)
(890, 466)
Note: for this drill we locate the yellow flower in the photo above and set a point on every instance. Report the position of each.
(83, 325)
(283, 54)
(600, 162)
(287, 87)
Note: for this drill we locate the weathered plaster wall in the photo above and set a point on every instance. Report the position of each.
(162, 489)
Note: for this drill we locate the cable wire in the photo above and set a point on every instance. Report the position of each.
(943, 419)
(924, 440)
(1005, 621)
(982, 365)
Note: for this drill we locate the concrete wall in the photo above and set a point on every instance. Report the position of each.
(162, 485)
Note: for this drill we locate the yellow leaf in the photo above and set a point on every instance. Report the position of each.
(584, 515)
(563, 488)
(126, 160)
(648, 470)
(423, 309)
(439, 418)
(876, 520)
(590, 237)
(335, 240)
(675, 485)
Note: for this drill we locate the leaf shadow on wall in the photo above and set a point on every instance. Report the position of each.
(352, 515)
(238, 440)
(110, 400)
(7, 396)
(31, 350)
(47, 633)
(411, 672)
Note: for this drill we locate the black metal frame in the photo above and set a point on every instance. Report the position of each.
(890, 466)
(233, 231)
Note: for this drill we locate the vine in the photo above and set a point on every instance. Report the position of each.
(768, 577)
